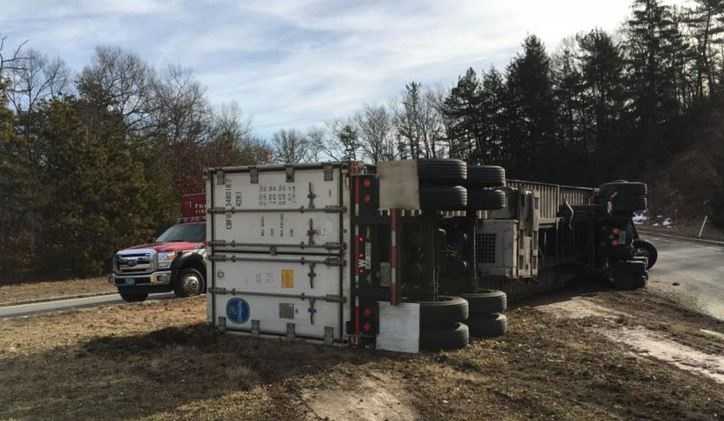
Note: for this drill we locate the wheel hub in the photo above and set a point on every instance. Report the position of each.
(192, 283)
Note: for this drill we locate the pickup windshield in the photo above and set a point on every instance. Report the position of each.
(195, 233)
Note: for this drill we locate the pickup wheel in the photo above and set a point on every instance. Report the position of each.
(188, 282)
(133, 297)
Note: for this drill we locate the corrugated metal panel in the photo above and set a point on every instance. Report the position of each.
(553, 195)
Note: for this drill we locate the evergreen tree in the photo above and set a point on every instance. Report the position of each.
(492, 103)
(531, 114)
(602, 67)
(706, 22)
(463, 112)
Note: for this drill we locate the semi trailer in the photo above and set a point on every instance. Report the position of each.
(404, 255)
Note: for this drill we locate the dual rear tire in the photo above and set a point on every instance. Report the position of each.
(486, 319)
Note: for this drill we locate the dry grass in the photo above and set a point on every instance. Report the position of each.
(32, 291)
(158, 360)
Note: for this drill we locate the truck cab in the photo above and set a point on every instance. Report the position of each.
(173, 262)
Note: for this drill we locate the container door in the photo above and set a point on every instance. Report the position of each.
(278, 261)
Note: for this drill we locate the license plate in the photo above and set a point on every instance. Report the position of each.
(126, 281)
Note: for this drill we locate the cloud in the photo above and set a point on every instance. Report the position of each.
(302, 62)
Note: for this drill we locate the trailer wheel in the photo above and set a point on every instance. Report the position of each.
(629, 203)
(488, 325)
(188, 282)
(646, 249)
(486, 301)
(445, 339)
(442, 172)
(626, 188)
(443, 198)
(486, 199)
(445, 312)
(133, 297)
(486, 176)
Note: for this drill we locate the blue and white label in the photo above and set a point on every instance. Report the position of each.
(237, 310)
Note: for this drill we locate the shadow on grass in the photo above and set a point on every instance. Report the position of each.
(161, 371)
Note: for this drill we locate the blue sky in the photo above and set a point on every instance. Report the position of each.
(301, 63)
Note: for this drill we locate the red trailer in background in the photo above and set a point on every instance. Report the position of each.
(193, 207)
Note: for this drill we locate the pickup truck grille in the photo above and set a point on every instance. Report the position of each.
(132, 263)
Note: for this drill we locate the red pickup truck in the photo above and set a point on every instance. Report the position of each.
(175, 261)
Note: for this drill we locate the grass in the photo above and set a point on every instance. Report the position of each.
(158, 360)
(33, 291)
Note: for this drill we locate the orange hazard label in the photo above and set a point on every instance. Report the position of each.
(287, 278)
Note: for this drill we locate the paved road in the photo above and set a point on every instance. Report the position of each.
(697, 268)
(73, 303)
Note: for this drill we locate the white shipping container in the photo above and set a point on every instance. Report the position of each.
(279, 256)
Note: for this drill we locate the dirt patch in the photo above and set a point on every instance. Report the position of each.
(579, 308)
(654, 345)
(33, 291)
(374, 396)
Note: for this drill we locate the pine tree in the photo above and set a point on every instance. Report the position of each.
(492, 102)
(531, 113)
(463, 113)
(706, 22)
(602, 67)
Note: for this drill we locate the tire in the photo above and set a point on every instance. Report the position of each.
(646, 249)
(624, 203)
(443, 198)
(488, 325)
(486, 176)
(442, 172)
(456, 337)
(444, 313)
(486, 301)
(626, 188)
(486, 199)
(133, 297)
(641, 282)
(188, 282)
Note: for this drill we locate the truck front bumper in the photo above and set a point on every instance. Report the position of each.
(147, 279)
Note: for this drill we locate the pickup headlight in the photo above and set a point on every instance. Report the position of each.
(165, 260)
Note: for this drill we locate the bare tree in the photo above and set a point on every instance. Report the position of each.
(290, 147)
(419, 122)
(180, 111)
(121, 82)
(36, 78)
(376, 127)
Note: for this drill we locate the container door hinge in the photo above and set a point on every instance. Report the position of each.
(311, 232)
(255, 327)
(290, 173)
(312, 309)
(311, 196)
(254, 175)
(221, 324)
(220, 178)
(312, 274)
